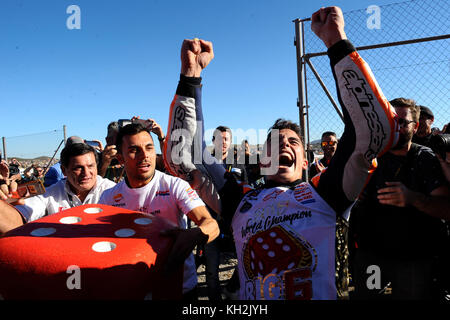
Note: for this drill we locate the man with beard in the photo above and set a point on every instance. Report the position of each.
(286, 232)
(397, 221)
(148, 190)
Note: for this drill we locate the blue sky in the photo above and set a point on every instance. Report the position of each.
(124, 61)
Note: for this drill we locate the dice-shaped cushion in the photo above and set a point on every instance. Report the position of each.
(274, 250)
(88, 252)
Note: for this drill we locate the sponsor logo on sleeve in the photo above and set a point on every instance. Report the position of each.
(117, 197)
(192, 194)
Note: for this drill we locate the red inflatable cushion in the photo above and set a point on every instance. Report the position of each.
(88, 252)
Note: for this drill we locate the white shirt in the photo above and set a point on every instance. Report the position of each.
(59, 197)
(164, 196)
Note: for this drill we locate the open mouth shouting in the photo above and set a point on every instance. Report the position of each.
(286, 159)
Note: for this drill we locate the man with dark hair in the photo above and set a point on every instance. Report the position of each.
(82, 185)
(328, 144)
(148, 190)
(222, 140)
(423, 134)
(288, 232)
(397, 221)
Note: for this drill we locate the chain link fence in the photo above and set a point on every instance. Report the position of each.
(34, 148)
(407, 47)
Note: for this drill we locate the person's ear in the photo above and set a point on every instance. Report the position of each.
(416, 126)
(305, 164)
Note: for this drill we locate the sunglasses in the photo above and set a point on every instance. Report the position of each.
(328, 143)
(403, 122)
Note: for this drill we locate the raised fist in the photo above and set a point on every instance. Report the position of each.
(328, 25)
(195, 56)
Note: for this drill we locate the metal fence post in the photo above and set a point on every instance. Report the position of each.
(65, 133)
(5, 156)
(301, 80)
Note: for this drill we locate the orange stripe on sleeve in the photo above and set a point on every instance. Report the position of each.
(388, 109)
(168, 137)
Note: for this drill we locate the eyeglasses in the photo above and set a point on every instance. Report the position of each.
(329, 143)
(403, 122)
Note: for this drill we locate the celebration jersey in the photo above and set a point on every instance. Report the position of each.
(285, 242)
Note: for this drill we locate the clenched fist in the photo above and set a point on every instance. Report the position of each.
(328, 24)
(195, 56)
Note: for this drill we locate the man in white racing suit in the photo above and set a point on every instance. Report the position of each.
(285, 232)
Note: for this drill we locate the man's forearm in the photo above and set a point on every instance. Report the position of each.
(10, 218)
(103, 168)
(435, 206)
(210, 227)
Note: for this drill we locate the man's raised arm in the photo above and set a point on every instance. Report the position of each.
(185, 152)
(370, 126)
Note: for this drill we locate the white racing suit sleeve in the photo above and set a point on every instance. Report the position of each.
(185, 153)
(370, 129)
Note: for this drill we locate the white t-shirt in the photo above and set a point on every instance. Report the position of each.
(59, 197)
(164, 196)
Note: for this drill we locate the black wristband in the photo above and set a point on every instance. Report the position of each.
(186, 86)
(339, 50)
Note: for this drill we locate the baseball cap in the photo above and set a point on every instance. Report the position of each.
(73, 140)
(426, 111)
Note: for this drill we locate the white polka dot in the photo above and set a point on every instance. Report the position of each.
(291, 265)
(93, 210)
(252, 254)
(42, 232)
(252, 265)
(272, 234)
(143, 221)
(279, 241)
(70, 220)
(259, 240)
(274, 270)
(286, 248)
(271, 254)
(124, 233)
(103, 246)
(260, 265)
(265, 246)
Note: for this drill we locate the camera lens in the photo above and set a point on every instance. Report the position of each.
(440, 144)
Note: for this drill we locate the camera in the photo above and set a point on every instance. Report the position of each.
(13, 170)
(146, 123)
(94, 144)
(440, 144)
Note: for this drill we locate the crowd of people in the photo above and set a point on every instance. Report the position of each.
(378, 197)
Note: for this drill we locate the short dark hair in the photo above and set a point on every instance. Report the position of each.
(76, 149)
(129, 130)
(285, 124)
(222, 129)
(328, 133)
